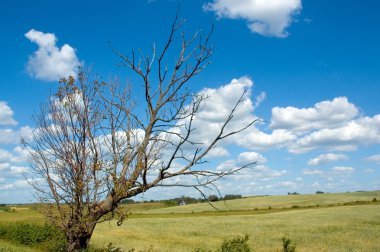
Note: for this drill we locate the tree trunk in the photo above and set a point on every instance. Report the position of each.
(78, 241)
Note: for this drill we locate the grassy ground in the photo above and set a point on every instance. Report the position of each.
(332, 226)
(344, 228)
(275, 202)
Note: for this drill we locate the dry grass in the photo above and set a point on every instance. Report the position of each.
(334, 228)
(345, 228)
(275, 202)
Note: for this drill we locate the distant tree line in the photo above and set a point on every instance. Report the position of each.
(187, 200)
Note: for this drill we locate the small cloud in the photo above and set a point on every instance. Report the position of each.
(267, 18)
(288, 184)
(343, 169)
(325, 114)
(217, 152)
(9, 136)
(49, 62)
(312, 172)
(369, 170)
(326, 158)
(6, 115)
(259, 99)
(374, 159)
(250, 157)
(307, 20)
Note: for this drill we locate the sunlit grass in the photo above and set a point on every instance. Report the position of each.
(264, 202)
(331, 226)
(345, 228)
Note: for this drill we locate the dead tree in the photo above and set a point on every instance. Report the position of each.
(95, 145)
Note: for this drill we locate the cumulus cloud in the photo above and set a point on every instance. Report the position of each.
(6, 114)
(374, 159)
(258, 140)
(5, 156)
(217, 152)
(216, 108)
(265, 17)
(259, 99)
(289, 184)
(49, 62)
(343, 169)
(250, 157)
(326, 158)
(10, 136)
(362, 131)
(312, 172)
(325, 114)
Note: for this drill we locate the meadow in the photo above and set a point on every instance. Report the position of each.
(323, 222)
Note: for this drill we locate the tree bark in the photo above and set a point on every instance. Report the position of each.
(79, 240)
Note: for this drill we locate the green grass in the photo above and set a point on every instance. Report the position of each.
(275, 202)
(334, 225)
(344, 228)
(6, 246)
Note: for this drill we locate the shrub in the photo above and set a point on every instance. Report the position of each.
(374, 200)
(212, 198)
(237, 244)
(288, 245)
(46, 236)
(232, 196)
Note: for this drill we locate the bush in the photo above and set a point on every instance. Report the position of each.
(237, 244)
(212, 198)
(232, 196)
(288, 245)
(46, 236)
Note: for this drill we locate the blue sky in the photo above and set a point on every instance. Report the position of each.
(312, 68)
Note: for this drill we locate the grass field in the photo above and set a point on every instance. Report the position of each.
(332, 226)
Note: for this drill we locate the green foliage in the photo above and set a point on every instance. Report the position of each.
(5, 208)
(127, 201)
(232, 196)
(288, 245)
(236, 244)
(374, 200)
(46, 236)
(212, 198)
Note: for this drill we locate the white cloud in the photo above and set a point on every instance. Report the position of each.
(325, 114)
(326, 158)
(18, 170)
(17, 184)
(369, 170)
(265, 17)
(374, 159)
(258, 140)
(217, 152)
(363, 131)
(343, 169)
(288, 184)
(259, 99)
(250, 157)
(6, 114)
(5, 156)
(256, 172)
(9, 136)
(312, 172)
(216, 108)
(50, 63)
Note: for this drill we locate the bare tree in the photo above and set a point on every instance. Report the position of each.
(95, 145)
